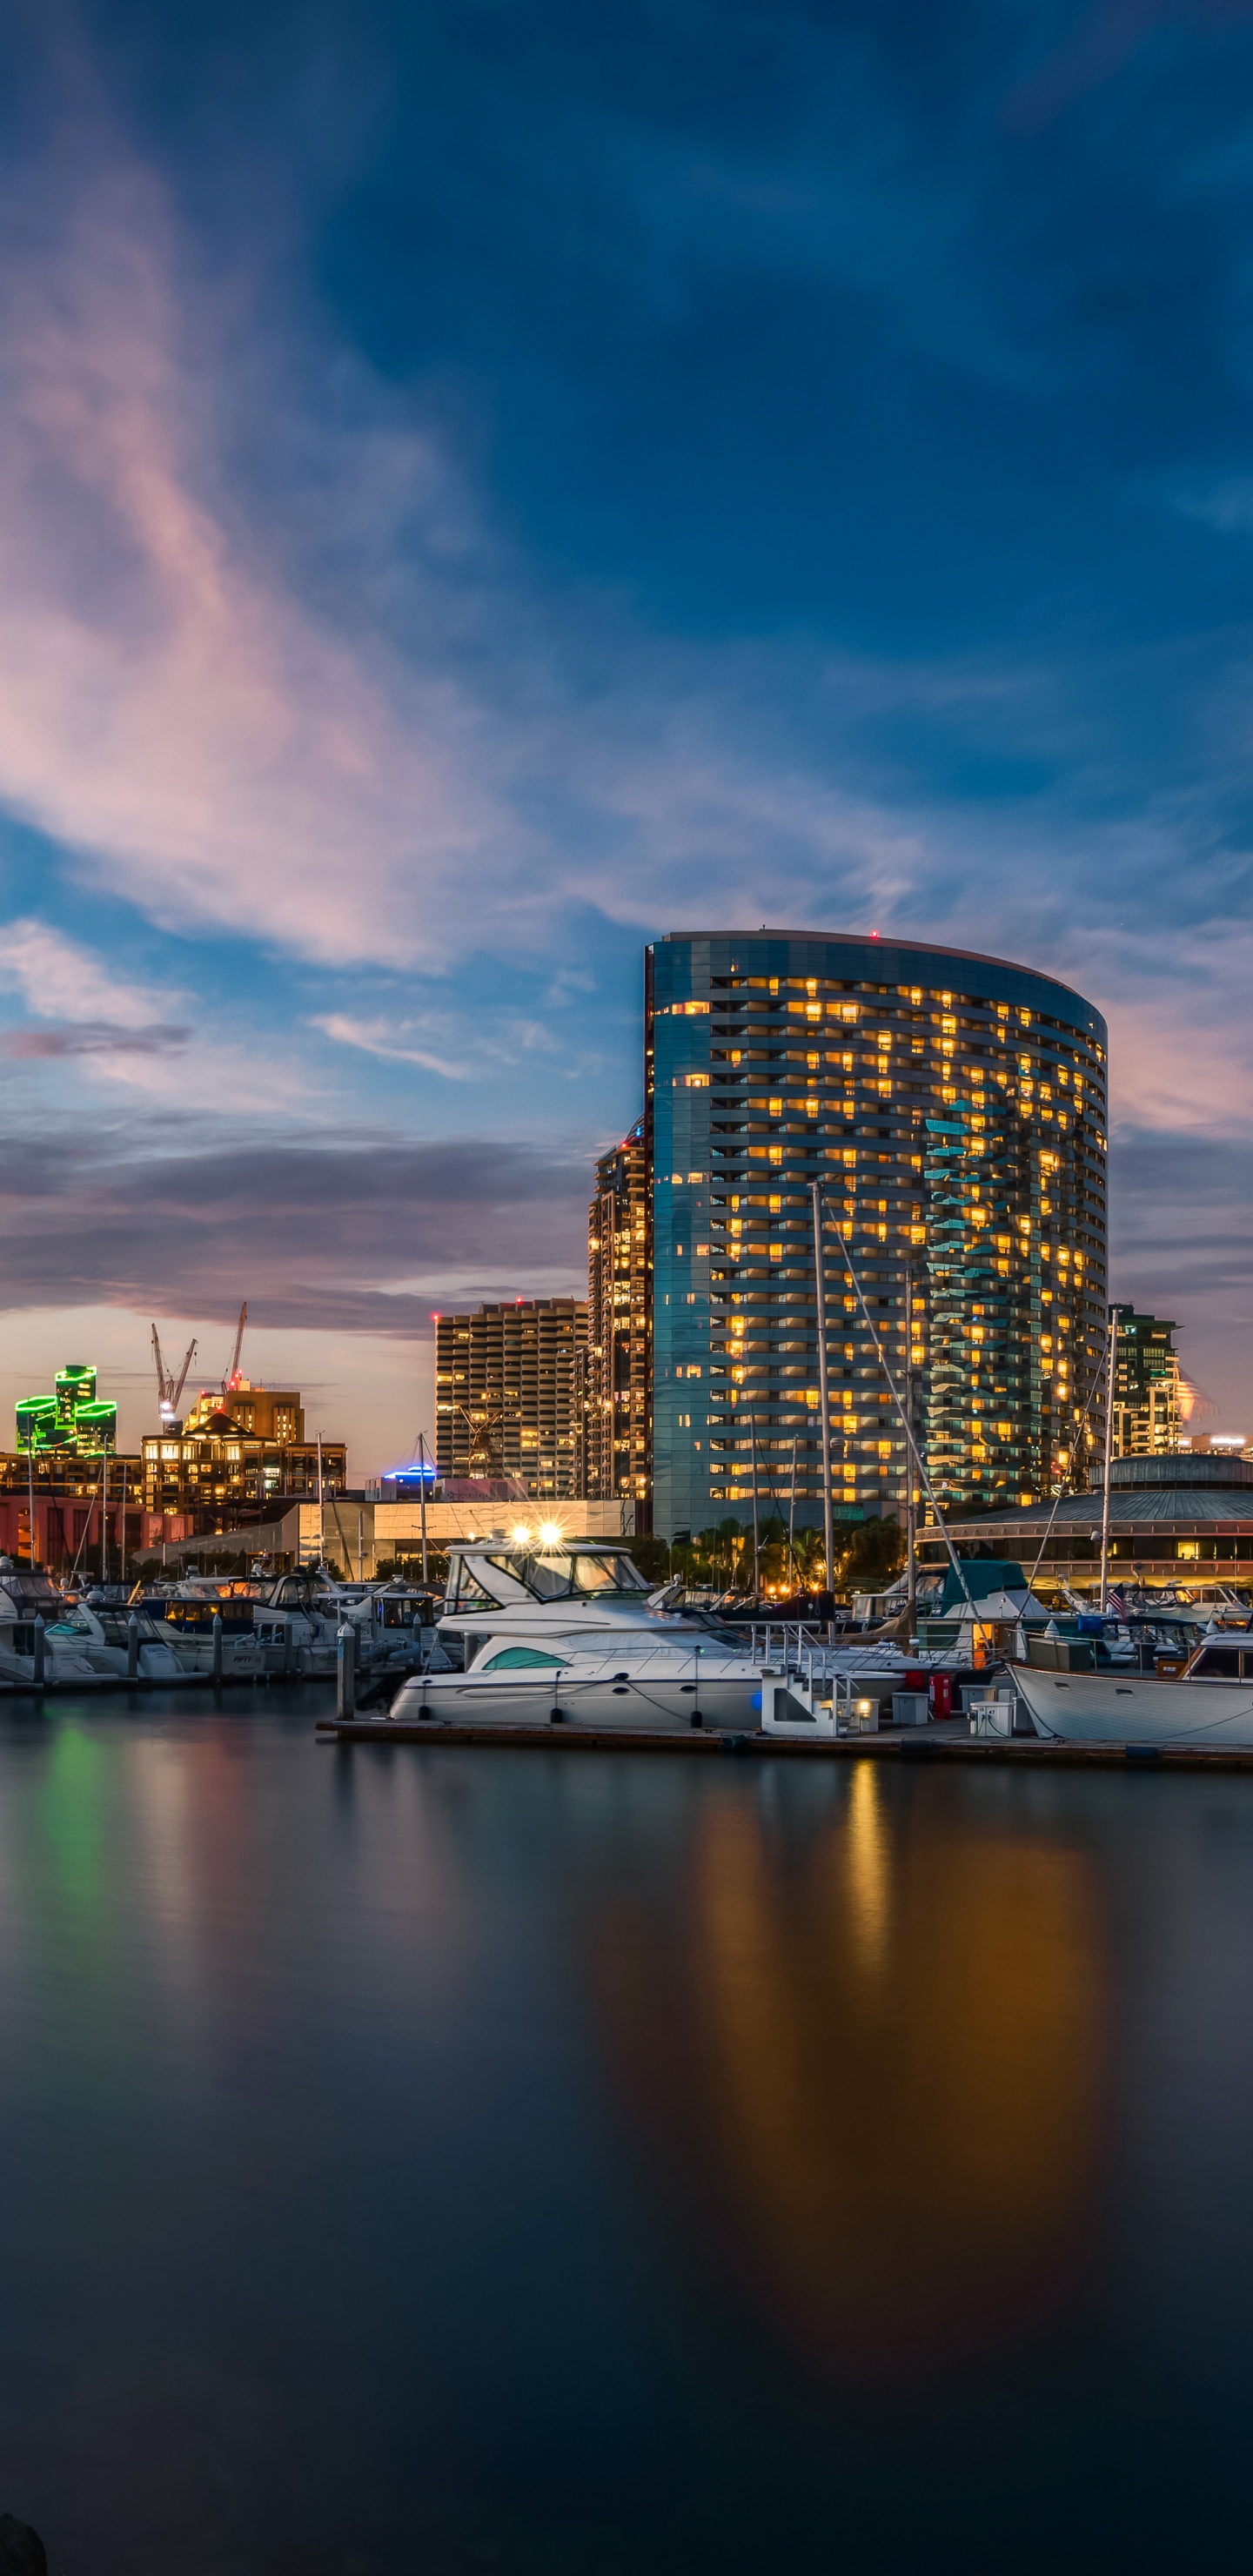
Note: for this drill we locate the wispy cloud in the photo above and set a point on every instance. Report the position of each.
(90, 1037)
(60, 979)
(383, 1038)
(168, 708)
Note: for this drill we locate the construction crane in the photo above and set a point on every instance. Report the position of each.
(231, 1378)
(169, 1388)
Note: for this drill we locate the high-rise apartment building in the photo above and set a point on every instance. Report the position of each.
(618, 1422)
(509, 1393)
(1147, 1386)
(954, 1108)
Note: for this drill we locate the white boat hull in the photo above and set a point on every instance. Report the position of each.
(1136, 1708)
(657, 1703)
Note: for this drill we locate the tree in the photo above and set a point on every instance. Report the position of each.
(876, 1552)
(653, 1559)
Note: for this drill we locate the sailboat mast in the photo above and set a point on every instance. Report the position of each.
(828, 1517)
(1109, 1451)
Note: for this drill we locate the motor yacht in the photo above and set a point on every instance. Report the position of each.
(26, 1596)
(297, 1621)
(570, 1633)
(102, 1638)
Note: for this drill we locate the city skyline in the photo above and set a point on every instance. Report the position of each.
(632, 496)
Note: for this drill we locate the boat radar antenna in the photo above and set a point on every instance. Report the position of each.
(231, 1378)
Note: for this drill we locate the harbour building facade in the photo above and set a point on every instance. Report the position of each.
(509, 1394)
(618, 1419)
(954, 1108)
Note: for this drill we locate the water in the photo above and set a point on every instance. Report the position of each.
(599, 2166)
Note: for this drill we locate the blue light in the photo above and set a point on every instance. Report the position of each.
(427, 1474)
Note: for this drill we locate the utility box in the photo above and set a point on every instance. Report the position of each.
(991, 1716)
(910, 1708)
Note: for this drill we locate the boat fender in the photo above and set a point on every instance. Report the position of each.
(755, 1703)
(1142, 1752)
(556, 1717)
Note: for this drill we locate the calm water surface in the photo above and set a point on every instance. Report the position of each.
(592, 2166)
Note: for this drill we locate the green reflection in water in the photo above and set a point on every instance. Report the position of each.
(72, 1811)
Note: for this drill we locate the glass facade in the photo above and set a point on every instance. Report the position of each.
(72, 1422)
(954, 1108)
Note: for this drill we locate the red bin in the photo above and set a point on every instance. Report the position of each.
(941, 1695)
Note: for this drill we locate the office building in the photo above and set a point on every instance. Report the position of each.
(618, 1416)
(510, 1393)
(1147, 1386)
(954, 1108)
(65, 1486)
(70, 1424)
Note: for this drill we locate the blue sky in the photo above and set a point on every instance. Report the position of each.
(481, 485)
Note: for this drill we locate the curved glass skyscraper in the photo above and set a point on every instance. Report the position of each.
(954, 1108)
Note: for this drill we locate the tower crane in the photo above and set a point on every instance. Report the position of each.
(231, 1378)
(169, 1388)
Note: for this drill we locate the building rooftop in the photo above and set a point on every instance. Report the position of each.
(890, 939)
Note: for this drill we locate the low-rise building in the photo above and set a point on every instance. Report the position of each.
(360, 1534)
(1184, 1520)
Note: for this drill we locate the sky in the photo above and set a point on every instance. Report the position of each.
(485, 482)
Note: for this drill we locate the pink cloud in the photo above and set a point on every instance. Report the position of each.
(168, 708)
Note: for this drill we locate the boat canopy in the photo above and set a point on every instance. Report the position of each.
(985, 1576)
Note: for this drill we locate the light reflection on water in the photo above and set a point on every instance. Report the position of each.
(879, 2054)
(611, 2167)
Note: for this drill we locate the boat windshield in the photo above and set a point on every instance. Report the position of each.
(560, 1574)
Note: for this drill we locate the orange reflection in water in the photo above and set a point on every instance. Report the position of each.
(872, 2065)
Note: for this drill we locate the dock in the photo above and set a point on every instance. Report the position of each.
(936, 1745)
